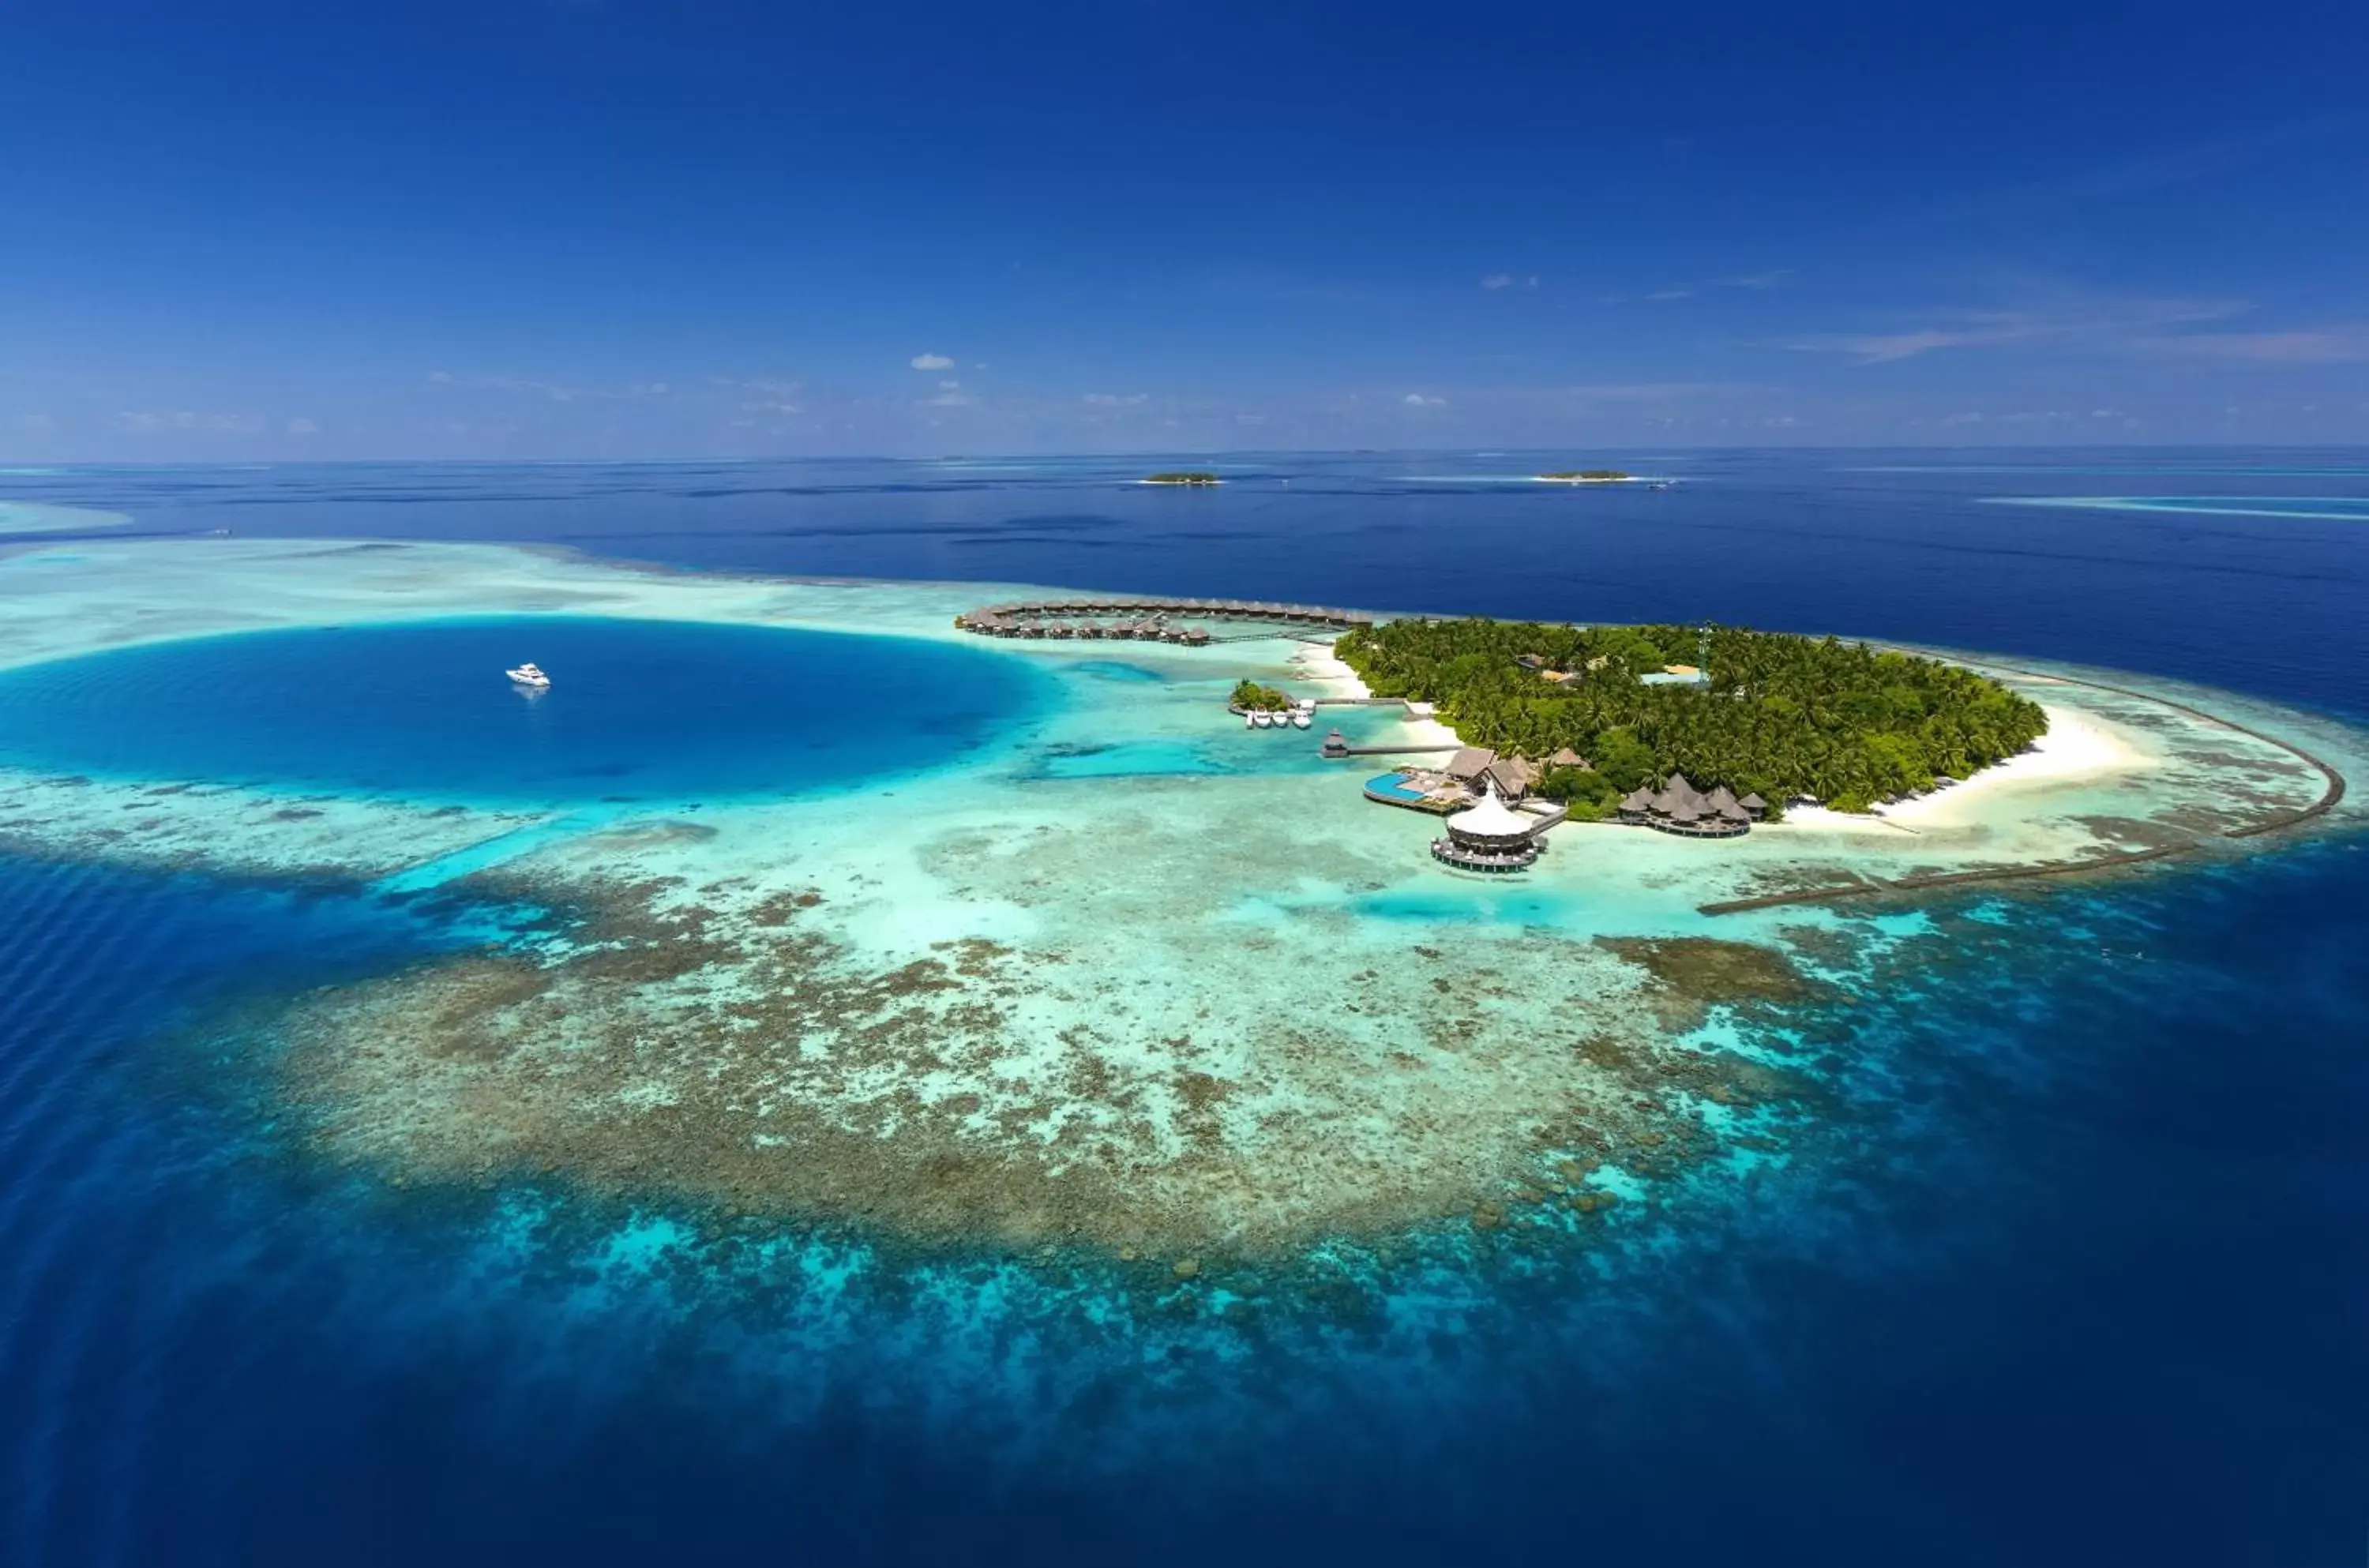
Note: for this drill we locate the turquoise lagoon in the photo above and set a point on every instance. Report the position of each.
(639, 710)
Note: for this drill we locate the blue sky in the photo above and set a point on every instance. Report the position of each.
(561, 228)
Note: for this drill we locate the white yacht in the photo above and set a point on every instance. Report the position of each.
(1261, 717)
(529, 674)
(1302, 718)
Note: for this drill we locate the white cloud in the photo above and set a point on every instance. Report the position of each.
(554, 391)
(2105, 324)
(1497, 281)
(303, 428)
(2336, 345)
(1883, 347)
(1747, 281)
(1417, 400)
(949, 385)
(1114, 400)
(933, 362)
(148, 421)
(38, 422)
(1250, 419)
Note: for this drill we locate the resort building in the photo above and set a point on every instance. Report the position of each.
(1469, 763)
(1511, 777)
(1680, 807)
(1490, 836)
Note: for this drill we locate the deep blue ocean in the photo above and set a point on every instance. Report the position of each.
(2083, 1280)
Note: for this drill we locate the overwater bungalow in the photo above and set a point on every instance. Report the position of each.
(1680, 807)
(1147, 618)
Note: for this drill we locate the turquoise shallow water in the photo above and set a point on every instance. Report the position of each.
(639, 710)
(2069, 1270)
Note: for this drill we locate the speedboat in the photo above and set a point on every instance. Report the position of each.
(529, 674)
(1249, 718)
(1302, 718)
(1261, 717)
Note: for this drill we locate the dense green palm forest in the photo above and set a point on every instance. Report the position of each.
(1782, 715)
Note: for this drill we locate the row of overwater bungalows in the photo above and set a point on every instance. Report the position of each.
(1143, 620)
(1116, 631)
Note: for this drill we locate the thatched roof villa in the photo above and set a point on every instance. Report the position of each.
(1678, 806)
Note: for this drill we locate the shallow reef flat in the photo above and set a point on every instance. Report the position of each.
(37, 517)
(1130, 979)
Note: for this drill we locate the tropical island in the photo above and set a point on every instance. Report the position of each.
(1770, 713)
(1181, 476)
(1584, 476)
(1249, 696)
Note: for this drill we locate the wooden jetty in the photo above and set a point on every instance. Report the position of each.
(1145, 620)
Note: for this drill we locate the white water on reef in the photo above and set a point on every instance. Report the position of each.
(2303, 509)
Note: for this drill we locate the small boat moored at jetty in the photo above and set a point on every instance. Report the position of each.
(529, 674)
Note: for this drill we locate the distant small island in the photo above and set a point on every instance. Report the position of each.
(1584, 476)
(1249, 696)
(1181, 476)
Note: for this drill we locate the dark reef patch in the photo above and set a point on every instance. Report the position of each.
(1697, 973)
(707, 1046)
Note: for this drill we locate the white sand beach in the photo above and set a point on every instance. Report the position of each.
(1325, 669)
(2079, 749)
